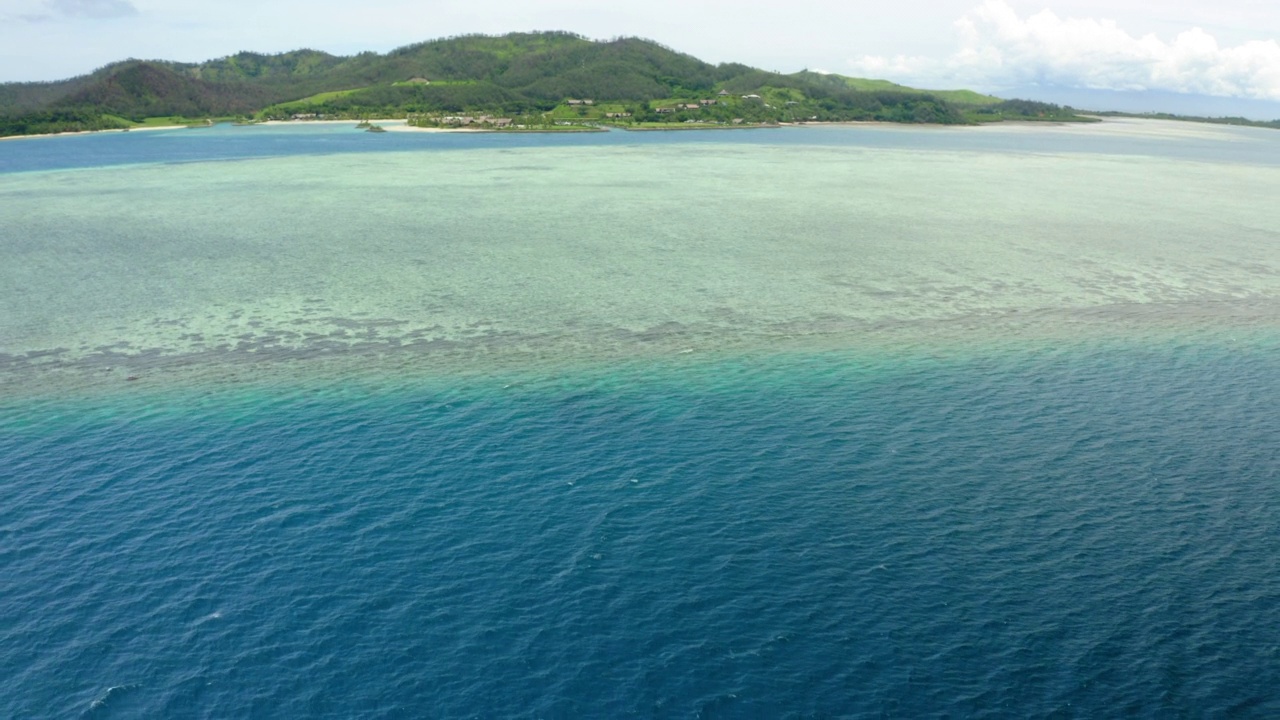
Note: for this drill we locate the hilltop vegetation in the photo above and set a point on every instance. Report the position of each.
(961, 97)
(527, 76)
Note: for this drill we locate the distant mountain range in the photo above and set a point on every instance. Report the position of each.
(627, 80)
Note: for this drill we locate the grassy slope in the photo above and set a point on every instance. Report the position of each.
(309, 102)
(961, 97)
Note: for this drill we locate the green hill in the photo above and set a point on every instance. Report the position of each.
(959, 97)
(526, 75)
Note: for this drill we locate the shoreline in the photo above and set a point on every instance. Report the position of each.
(404, 126)
(388, 124)
(397, 124)
(401, 125)
(96, 132)
(313, 122)
(682, 127)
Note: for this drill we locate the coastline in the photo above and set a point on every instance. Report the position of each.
(95, 132)
(352, 123)
(681, 127)
(400, 125)
(388, 124)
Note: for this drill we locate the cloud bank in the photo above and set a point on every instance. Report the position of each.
(999, 49)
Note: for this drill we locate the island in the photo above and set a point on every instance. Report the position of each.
(546, 81)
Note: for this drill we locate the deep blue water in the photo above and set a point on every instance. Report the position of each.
(1081, 532)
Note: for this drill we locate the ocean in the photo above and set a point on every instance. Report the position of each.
(297, 421)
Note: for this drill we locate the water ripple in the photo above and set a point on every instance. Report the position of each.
(1071, 531)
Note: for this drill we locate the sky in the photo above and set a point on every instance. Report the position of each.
(1225, 48)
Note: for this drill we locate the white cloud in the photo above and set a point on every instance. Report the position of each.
(1000, 49)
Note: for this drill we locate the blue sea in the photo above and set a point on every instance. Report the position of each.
(859, 477)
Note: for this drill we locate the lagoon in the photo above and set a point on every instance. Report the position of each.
(576, 248)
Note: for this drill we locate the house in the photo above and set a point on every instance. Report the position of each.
(665, 110)
(572, 101)
(706, 102)
(692, 106)
(751, 97)
(617, 114)
(418, 81)
(723, 93)
(588, 101)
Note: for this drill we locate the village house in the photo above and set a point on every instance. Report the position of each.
(665, 110)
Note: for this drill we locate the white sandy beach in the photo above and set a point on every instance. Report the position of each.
(390, 125)
(405, 127)
(91, 132)
(352, 123)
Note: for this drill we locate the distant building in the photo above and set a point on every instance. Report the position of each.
(418, 81)
(665, 110)
(723, 93)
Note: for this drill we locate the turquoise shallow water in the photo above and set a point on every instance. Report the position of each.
(973, 463)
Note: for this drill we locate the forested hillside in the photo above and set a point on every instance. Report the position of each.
(530, 75)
